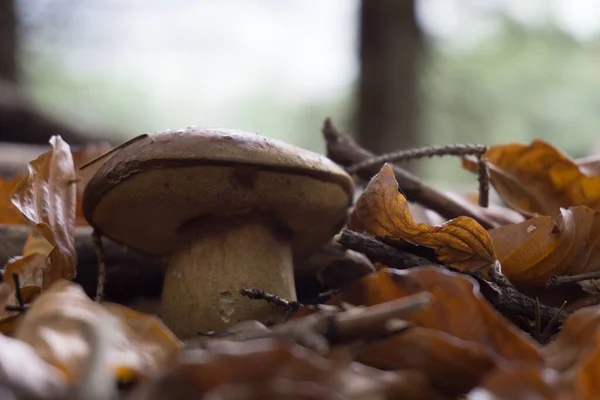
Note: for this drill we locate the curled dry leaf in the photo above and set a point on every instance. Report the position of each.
(9, 214)
(383, 212)
(538, 178)
(46, 198)
(92, 343)
(457, 325)
(534, 250)
(273, 369)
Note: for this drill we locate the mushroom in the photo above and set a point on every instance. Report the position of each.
(230, 209)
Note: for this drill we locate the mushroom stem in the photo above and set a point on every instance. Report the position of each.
(217, 257)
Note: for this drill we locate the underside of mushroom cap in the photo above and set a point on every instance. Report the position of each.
(147, 191)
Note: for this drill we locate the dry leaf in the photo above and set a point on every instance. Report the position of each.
(457, 308)
(572, 366)
(89, 341)
(9, 214)
(383, 212)
(534, 250)
(457, 327)
(453, 366)
(46, 197)
(272, 369)
(538, 178)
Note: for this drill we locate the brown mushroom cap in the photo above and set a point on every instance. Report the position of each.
(148, 190)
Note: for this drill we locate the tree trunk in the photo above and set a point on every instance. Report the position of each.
(391, 48)
(8, 41)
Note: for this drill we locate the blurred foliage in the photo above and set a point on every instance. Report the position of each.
(519, 84)
(515, 86)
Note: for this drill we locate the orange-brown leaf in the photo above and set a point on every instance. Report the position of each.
(538, 178)
(46, 197)
(69, 331)
(382, 211)
(457, 308)
(532, 251)
(451, 364)
(456, 339)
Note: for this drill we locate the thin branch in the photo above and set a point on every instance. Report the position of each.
(21, 306)
(378, 251)
(556, 281)
(343, 150)
(421, 152)
(257, 294)
(100, 254)
(330, 326)
(483, 176)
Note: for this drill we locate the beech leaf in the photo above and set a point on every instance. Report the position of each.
(46, 198)
(538, 178)
(458, 333)
(533, 251)
(382, 211)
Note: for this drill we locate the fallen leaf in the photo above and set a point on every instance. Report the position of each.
(9, 214)
(382, 211)
(453, 366)
(91, 342)
(572, 365)
(532, 251)
(457, 308)
(457, 338)
(46, 198)
(538, 178)
(273, 369)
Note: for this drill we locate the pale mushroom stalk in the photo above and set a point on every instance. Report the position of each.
(229, 209)
(219, 257)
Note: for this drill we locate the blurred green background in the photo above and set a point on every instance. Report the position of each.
(494, 71)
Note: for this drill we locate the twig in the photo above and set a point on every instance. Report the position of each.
(343, 150)
(460, 150)
(21, 306)
(498, 291)
(556, 281)
(421, 152)
(319, 330)
(483, 176)
(257, 294)
(378, 251)
(98, 246)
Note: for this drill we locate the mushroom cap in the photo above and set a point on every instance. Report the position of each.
(147, 191)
